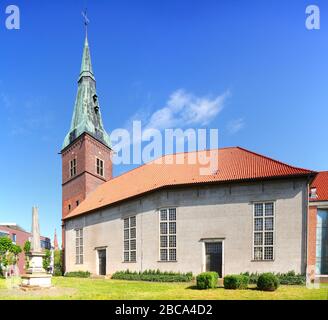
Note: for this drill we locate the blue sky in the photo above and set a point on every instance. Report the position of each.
(275, 70)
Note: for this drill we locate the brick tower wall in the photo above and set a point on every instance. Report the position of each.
(86, 150)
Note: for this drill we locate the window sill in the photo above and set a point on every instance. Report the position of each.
(262, 260)
(129, 261)
(174, 261)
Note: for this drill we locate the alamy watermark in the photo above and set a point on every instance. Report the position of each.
(12, 21)
(138, 146)
(312, 21)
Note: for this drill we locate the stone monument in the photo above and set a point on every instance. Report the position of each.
(36, 276)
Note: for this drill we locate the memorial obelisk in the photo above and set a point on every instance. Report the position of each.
(36, 276)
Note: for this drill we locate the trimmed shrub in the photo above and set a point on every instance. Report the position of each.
(235, 281)
(267, 282)
(153, 276)
(207, 280)
(78, 274)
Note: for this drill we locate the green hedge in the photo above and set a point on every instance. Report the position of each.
(267, 282)
(289, 278)
(207, 280)
(253, 277)
(235, 281)
(78, 274)
(153, 276)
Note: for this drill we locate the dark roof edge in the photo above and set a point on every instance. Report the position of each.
(80, 136)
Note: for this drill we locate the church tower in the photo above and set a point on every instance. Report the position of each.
(86, 151)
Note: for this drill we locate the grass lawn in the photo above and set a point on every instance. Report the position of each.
(98, 289)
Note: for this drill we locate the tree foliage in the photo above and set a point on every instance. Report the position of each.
(46, 259)
(27, 247)
(58, 265)
(9, 252)
(27, 250)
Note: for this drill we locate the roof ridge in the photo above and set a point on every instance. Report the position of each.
(186, 152)
(152, 161)
(165, 155)
(277, 161)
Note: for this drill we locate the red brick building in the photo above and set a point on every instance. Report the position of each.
(19, 236)
(318, 227)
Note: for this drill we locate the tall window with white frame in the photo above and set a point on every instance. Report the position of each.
(130, 239)
(264, 215)
(72, 167)
(168, 234)
(79, 246)
(100, 167)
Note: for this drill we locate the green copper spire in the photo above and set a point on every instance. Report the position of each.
(86, 67)
(87, 115)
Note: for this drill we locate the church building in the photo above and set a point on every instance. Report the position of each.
(249, 215)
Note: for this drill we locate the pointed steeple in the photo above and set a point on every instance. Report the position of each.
(87, 116)
(86, 66)
(55, 241)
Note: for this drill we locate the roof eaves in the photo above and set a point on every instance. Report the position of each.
(71, 216)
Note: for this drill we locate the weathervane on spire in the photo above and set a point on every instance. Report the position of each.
(86, 20)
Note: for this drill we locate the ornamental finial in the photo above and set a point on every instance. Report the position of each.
(86, 20)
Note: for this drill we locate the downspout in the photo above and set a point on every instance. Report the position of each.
(307, 228)
(309, 181)
(141, 240)
(141, 253)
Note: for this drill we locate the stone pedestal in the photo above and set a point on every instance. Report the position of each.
(36, 276)
(36, 263)
(36, 280)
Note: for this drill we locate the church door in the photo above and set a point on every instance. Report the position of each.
(102, 262)
(213, 255)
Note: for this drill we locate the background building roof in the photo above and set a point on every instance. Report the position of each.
(321, 184)
(12, 226)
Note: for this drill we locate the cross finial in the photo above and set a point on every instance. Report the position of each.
(86, 20)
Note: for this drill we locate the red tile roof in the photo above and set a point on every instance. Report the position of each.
(321, 183)
(234, 164)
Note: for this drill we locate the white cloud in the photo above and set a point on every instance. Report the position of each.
(235, 125)
(186, 109)
(182, 110)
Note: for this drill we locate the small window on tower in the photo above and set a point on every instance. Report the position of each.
(77, 203)
(69, 207)
(100, 167)
(72, 167)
